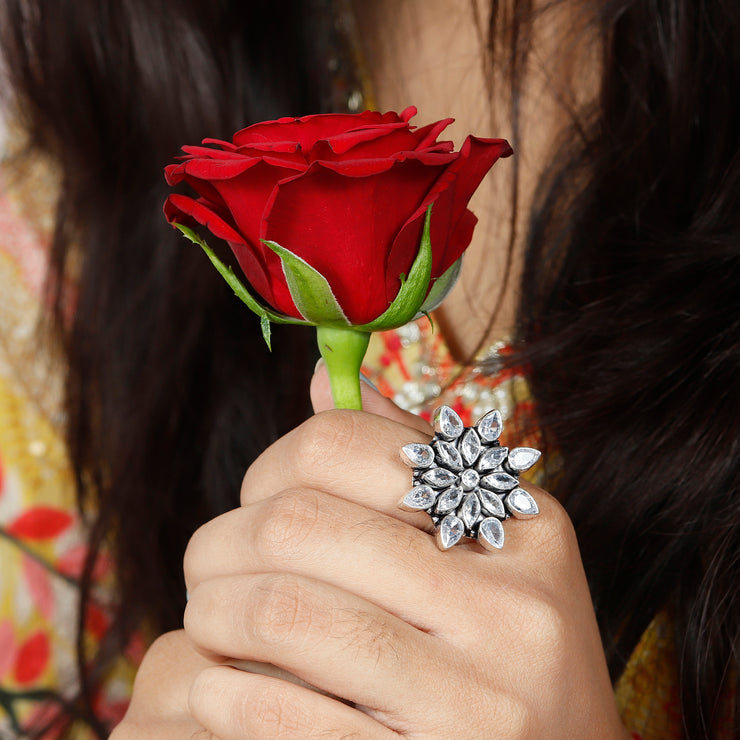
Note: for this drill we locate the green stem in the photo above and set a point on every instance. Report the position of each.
(343, 351)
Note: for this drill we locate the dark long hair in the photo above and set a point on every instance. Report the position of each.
(630, 321)
(631, 332)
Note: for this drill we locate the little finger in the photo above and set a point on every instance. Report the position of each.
(259, 706)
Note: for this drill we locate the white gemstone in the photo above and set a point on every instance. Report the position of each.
(418, 498)
(447, 423)
(469, 479)
(490, 426)
(450, 532)
(449, 500)
(523, 458)
(521, 504)
(492, 503)
(438, 477)
(470, 447)
(447, 455)
(492, 458)
(491, 534)
(499, 481)
(417, 455)
(470, 510)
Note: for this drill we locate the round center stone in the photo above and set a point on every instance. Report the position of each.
(469, 479)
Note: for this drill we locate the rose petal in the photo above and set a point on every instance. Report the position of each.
(185, 210)
(219, 142)
(367, 142)
(206, 151)
(246, 197)
(452, 224)
(211, 170)
(308, 130)
(427, 135)
(348, 224)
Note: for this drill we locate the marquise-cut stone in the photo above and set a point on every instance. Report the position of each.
(522, 458)
(419, 498)
(447, 423)
(417, 455)
(449, 500)
(470, 447)
(521, 504)
(438, 477)
(492, 458)
(498, 482)
(450, 532)
(491, 534)
(470, 510)
(447, 455)
(492, 503)
(490, 426)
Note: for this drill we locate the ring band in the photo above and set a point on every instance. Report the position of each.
(467, 481)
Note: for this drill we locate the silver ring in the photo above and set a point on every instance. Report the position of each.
(467, 481)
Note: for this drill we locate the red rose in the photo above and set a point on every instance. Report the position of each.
(345, 193)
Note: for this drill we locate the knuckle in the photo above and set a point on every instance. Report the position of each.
(512, 717)
(149, 691)
(207, 606)
(162, 651)
(282, 610)
(290, 518)
(276, 716)
(321, 437)
(195, 553)
(558, 541)
(546, 624)
(368, 634)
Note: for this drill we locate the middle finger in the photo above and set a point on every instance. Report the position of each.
(317, 535)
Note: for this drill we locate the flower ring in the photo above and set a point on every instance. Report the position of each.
(467, 481)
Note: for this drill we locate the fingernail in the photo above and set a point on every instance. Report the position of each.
(367, 380)
(319, 364)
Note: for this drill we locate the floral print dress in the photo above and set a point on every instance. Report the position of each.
(42, 537)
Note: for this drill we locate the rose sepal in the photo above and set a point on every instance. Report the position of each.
(265, 314)
(440, 288)
(315, 300)
(309, 289)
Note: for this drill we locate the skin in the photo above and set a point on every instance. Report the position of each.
(432, 53)
(320, 574)
(318, 609)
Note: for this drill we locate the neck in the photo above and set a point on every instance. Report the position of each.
(434, 56)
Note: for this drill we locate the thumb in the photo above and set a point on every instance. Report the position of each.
(372, 401)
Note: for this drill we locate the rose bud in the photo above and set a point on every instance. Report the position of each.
(349, 222)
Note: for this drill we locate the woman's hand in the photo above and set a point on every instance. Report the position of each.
(321, 574)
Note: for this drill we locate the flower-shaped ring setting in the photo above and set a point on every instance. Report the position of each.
(467, 481)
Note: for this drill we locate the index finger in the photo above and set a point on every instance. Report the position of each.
(350, 454)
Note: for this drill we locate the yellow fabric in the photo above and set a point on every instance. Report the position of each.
(42, 539)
